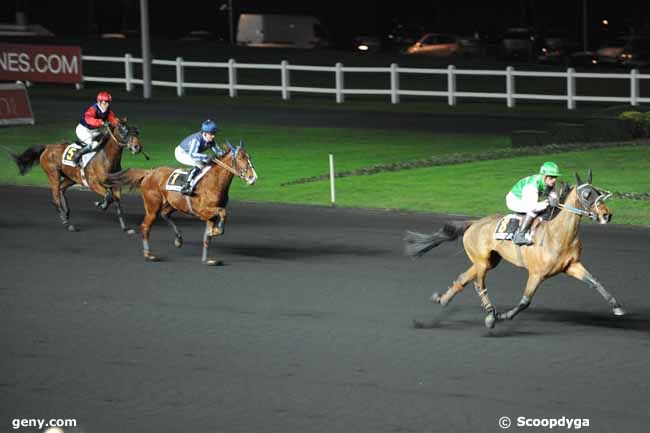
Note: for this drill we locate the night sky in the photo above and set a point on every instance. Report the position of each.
(343, 19)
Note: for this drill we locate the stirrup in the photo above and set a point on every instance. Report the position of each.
(187, 190)
(521, 239)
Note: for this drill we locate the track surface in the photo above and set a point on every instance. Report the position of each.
(306, 328)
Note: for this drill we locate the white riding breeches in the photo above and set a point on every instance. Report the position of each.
(518, 205)
(185, 158)
(88, 136)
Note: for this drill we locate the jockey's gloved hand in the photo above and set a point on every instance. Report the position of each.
(541, 206)
(553, 199)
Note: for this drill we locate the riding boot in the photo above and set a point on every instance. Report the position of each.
(520, 237)
(188, 187)
(81, 152)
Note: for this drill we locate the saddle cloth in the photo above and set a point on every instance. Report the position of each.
(506, 227)
(69, 153)
(177, 179)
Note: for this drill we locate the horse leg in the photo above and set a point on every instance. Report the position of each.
(456, 287)
(481, 291)
(151, 210)
(59, 201)
(207, 236)
(578, 271)
(117, 198)
(534, 280)
(67, 183)
(166, 215)
(219, 226)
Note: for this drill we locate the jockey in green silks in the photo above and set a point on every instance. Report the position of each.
(524, 197)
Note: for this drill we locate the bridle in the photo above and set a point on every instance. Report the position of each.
(234, 169)
(585, 193)
(127, 134)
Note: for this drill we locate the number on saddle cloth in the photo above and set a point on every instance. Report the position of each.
(177, 179)
(507, 226)
(71, 150)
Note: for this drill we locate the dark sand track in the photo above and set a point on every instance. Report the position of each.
(306, 328)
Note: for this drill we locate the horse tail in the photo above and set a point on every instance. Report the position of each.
(28, 158)
(131, 177)
(418, 244)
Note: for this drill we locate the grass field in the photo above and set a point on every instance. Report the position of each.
(283, 154)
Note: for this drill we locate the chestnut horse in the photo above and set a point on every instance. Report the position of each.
(208, 202)
(556, 249)
(62, 176)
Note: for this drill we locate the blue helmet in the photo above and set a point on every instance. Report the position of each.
(209, 126)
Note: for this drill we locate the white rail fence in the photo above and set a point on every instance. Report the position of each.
(394, 72)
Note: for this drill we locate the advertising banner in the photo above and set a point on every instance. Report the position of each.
(15, 108)
(40, 63)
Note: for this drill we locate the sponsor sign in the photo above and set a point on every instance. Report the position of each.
(40, 63)
(14, 105)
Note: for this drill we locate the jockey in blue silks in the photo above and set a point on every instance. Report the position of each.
(190, 152)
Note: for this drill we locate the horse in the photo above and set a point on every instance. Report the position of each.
(208, 202)
(55, 160)
(556, 249)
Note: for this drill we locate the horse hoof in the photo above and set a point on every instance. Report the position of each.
(213, 262)
(71, 228)
(129, 231)
(490, 320)
(178, 242)
(151, 258)
(618, 311)
(435, 298)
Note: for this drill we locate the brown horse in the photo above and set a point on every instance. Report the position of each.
(62, 176)
(208, 202)
(556, 249)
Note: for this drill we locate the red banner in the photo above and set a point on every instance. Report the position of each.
(14, 105)
(44, 63)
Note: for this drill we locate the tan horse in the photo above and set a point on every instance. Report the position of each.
(61, 176)
(208, 202)
(556, 249)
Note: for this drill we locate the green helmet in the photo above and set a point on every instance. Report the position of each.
(549, 169)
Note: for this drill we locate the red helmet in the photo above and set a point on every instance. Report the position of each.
(104, 96)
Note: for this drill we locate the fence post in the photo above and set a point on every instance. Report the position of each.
(286, 94)
(394, 83)
(570, 88)
(510, 87)
(180, 77)
(332, 190)
(232, 78)
(339, 83)
(634, 87)
(128, 72)
(451, 85)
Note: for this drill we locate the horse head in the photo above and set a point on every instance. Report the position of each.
(242, 162)
(592, 200)
(126, 136)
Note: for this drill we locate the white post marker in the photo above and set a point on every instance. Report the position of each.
(332, 190)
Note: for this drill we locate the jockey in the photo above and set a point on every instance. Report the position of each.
(189, 152)
(524, 196)
(89, 127)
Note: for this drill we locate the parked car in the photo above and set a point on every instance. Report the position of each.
(636, 53)
(367, 43)
(436, 44)
(517, 43)
(609, 52)
(555, 48)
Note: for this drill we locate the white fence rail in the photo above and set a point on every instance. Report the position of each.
(393, 72)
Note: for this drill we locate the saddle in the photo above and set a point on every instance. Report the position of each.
(177, 179)
(69, 153)
(508, 225)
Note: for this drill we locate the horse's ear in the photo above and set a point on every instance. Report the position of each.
(578, 180)
(123, 120)
(241, 143)
(589, 176)
(230, 145)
